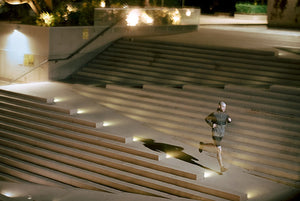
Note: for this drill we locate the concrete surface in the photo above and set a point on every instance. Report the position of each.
(235, 179)
(230, 34)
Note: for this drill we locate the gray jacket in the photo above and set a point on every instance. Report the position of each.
(220, 119)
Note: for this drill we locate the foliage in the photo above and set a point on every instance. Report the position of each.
(250, 8)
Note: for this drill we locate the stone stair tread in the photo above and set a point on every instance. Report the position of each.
(49, 173)
(149, 42)
(234, 103)
(28, 103)
(16, 175)
(208, 74)
(170, 167)
(63, 124)
(88, 166)
(177, 94)
(61, 133)
(51, 114)
(279, 173)
(261, 93)
(197, 58)
(243, 54)
(27, 97)
(119, 101)
(237, 96)
(291, 166)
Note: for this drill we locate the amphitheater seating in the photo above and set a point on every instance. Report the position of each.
(263, 141)
(48, 145)
(137, 62)
(172, 87)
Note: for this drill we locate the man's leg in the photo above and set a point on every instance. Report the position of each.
(219, 156)
(202, 144)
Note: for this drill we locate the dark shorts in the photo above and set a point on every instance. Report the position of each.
(217, 140)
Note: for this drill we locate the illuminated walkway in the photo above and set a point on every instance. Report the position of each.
(253, 37)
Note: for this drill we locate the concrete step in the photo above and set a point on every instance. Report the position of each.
(216, 98)
(280, 146)
(223, 75)
(78, 169)
(290, 90)
(237, 71)
(16, 175)
(255, 143)
(236, 55)
(62, 171)
(292, 167)
(78, 136)
(181, 75)
(225, 51)
(267, 93)
(225, 94)
(92, 148)
(63, 125)
(118, 174)
(49, 100)
(191, 114)
(251, 54)
(198, 103)
(219, 62)
(50, 107)
(277, 175)
(163, 69)
(270, 140)
(122, 74)
(33, 169)
(49, 114)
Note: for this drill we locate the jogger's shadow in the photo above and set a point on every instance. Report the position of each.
(174, 151)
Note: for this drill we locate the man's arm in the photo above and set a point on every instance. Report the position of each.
(210, 120)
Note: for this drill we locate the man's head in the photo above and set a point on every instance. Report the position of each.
(222, 106)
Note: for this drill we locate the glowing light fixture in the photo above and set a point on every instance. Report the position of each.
(105, 123)
(48, 19)
(252, 194)
(207, 174)
(57, 100)
(175, 16)
(17, 46)
(188, 12)
(102, 4)
(136, 139)
(133, 17)
(169, 156)
(11, 193)
(71, 8)
(146, 18)
(81, 111)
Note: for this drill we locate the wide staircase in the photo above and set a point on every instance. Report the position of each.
(44, 143)
(137, 62)
(173, 87)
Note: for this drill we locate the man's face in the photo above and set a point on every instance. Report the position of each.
(222, 107)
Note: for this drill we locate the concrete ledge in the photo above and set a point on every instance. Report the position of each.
(285, 89)
(29, 97)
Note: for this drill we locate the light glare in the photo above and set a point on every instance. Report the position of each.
(188, 12)
(102, 4)
(207, 174)
(133, 18)
(105, 123)
(81, 111)
(8, 194)
(136, 139)
(169, 156)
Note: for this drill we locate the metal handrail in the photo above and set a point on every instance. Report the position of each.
(45, 61)
(87, 43)
(72, 54)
